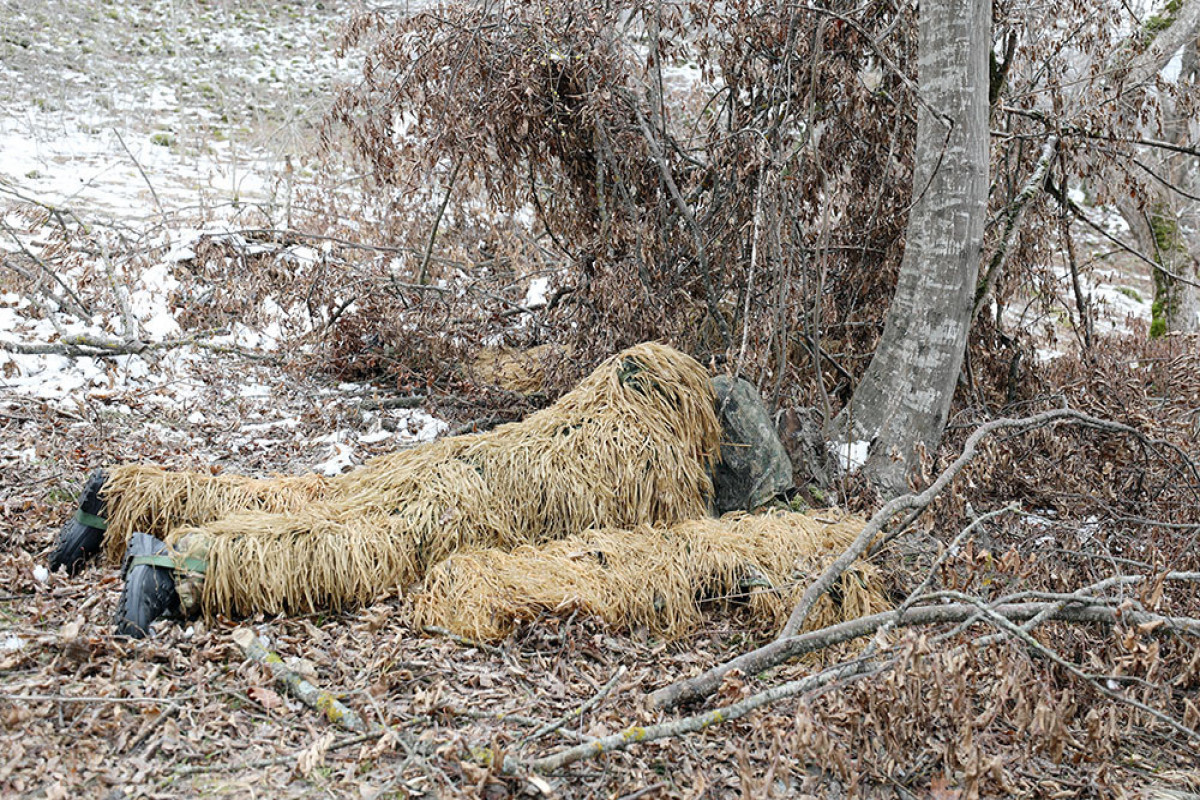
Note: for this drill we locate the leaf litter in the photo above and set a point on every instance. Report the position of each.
(183, 713)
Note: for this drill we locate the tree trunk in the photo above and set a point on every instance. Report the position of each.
(1158, 233)
(904, 397)
(1160, 216)
(1176, 289)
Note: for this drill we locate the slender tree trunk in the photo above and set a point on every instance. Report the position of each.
(1159, 235)
(905, 395)
(1161, 217)
(1177, 284)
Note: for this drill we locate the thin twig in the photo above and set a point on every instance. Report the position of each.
(573, 713)
(436, 630)
(423, 276)
(289, 758)
(158, 203)
(520, 719)
(689, 216)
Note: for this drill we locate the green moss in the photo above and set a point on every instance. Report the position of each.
(483, 755)
(1131, 293)
(1161, 21)
(1165, 230)
(60, 495)
(162, 139)
(1158, 320)
(1167, 240)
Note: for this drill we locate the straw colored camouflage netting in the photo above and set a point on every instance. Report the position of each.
(631, 445)
(656, 576)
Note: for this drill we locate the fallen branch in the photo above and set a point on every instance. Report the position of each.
(302, 690)
(76, 306)
(407, 401)
(638, 734)
(61, 303)
(85, 345)
(918, 502)
(782, 650)
(65, 698)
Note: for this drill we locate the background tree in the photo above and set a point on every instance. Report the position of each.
(903, 399)
(1162, 210)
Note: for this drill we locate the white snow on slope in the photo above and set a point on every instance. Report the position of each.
(162, 124)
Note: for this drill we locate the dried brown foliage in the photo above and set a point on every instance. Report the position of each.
(767, 201)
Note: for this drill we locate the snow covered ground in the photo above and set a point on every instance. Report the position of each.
(147, 128)
(1116, 289)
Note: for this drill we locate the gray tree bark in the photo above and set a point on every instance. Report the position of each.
(904, 397)
(1166, 223)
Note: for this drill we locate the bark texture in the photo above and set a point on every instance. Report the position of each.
(1174, 215)
(905, 395)
(1165, 220)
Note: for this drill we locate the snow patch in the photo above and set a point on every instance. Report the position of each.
(536, 296)
(341, 460)
(852, 455)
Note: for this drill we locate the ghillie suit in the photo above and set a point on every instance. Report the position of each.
(653, 576)
(597, 502)
(632, 444)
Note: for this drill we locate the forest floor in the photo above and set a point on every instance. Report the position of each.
(170, 125)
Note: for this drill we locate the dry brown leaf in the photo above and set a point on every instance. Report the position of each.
(267, 698)
(314, 755)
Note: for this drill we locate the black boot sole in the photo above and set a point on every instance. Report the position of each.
(78, 542)
(149, 592)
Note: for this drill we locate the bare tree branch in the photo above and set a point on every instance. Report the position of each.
(1014, 212)
(638, 734)
(918, 502)
(1079, 610)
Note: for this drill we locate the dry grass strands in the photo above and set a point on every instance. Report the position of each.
(657, 576)
(629, 446)
(152, 500)
(522, 371)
